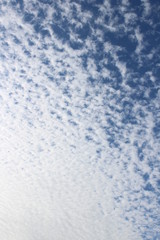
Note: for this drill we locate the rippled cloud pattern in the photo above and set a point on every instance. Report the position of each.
(80, 120)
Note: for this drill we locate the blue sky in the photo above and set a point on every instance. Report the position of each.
(80, 119)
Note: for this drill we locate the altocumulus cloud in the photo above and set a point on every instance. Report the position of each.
(80, 120)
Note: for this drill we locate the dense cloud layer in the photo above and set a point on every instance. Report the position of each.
(80, 120)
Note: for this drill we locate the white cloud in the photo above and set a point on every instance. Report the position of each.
(139, 38)
(60, 175)
(147, 7)
(130, 18)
